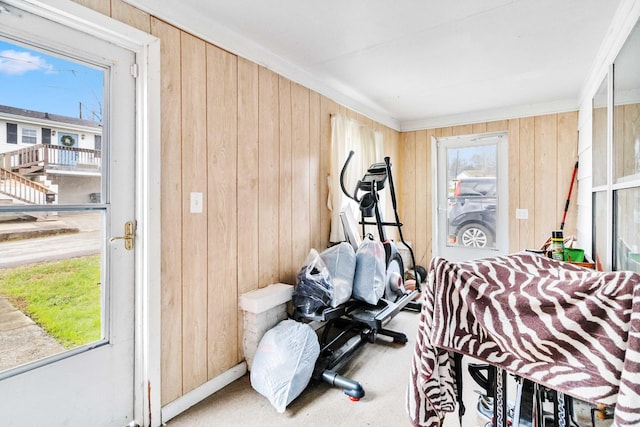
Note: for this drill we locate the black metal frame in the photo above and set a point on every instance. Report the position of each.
(352, 324)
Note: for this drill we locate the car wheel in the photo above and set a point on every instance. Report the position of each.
(475, 236)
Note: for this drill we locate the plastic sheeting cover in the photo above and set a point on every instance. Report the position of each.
(341, 263)
(284, 362)
(369, 279)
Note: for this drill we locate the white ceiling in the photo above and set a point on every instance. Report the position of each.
(414, 63)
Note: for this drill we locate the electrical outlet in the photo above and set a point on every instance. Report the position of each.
(196, 202)
(522, 213)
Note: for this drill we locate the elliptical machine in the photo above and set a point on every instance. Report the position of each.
(349, 326)
(366, 195)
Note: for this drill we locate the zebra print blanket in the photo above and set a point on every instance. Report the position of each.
(569, 328)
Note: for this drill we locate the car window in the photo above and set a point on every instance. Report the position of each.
(477, 188)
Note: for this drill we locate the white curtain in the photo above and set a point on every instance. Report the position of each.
(347, 135)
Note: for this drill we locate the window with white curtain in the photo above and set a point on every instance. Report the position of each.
(367, 144)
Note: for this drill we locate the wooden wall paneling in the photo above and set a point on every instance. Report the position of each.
(315, 171)
(462, 130)
(247, 179)
(429, 196)
(567, 148)
(327, 108)
(222, 139)
(526, 183)
(269, 170)
(247, 186)
(479, 128)
(171, 211)
(422, 202)
(498, 125)
(101, 6)
(300, 197)
(514, 185)
(546, 177)
(391, 142)
(194, 225)
(406, 194)
(285, 241)
(130, 15)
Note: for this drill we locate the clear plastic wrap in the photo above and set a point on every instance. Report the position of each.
(313, 290)
(341, 263)
(284, 362)
(369, 278)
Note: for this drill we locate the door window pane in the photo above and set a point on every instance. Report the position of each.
(52, 298)
(471, 180)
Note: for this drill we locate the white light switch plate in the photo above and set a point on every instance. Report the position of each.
(196, 202)
(522, 213)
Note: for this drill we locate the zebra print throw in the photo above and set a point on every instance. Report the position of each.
(569, 328)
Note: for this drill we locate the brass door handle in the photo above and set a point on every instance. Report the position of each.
(128, 237)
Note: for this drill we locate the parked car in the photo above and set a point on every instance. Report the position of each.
(472, 212)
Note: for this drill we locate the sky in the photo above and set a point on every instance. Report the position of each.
(33, 80)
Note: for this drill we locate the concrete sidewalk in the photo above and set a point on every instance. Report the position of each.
(21, 340)
(58, 237)
(25, 229)
(27, 242)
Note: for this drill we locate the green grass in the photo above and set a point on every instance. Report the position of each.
(62, 297)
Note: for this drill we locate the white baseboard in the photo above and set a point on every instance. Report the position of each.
(186, 401)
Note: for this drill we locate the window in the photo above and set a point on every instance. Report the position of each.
(12, 133)
(616, 163)
(29, 136)
(367, 144)
(46, 136)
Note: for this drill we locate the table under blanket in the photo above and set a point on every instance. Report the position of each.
(566, 327)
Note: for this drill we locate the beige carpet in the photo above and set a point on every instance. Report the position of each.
(381, 368)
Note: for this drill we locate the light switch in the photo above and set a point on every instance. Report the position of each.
(522, 213)
(196, 202)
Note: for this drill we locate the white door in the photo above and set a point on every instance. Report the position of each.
(471, 192)
(86, 380)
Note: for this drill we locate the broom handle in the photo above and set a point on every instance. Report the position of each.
(566, 206)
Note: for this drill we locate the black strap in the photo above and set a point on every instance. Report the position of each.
(457, 362)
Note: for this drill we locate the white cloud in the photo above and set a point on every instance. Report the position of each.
(17, 63)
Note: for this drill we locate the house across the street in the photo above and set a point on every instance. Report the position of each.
(48, 158)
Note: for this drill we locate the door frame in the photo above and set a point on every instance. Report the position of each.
(147, 363)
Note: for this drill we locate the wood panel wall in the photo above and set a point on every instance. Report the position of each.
(257, 146)
(542, 155)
